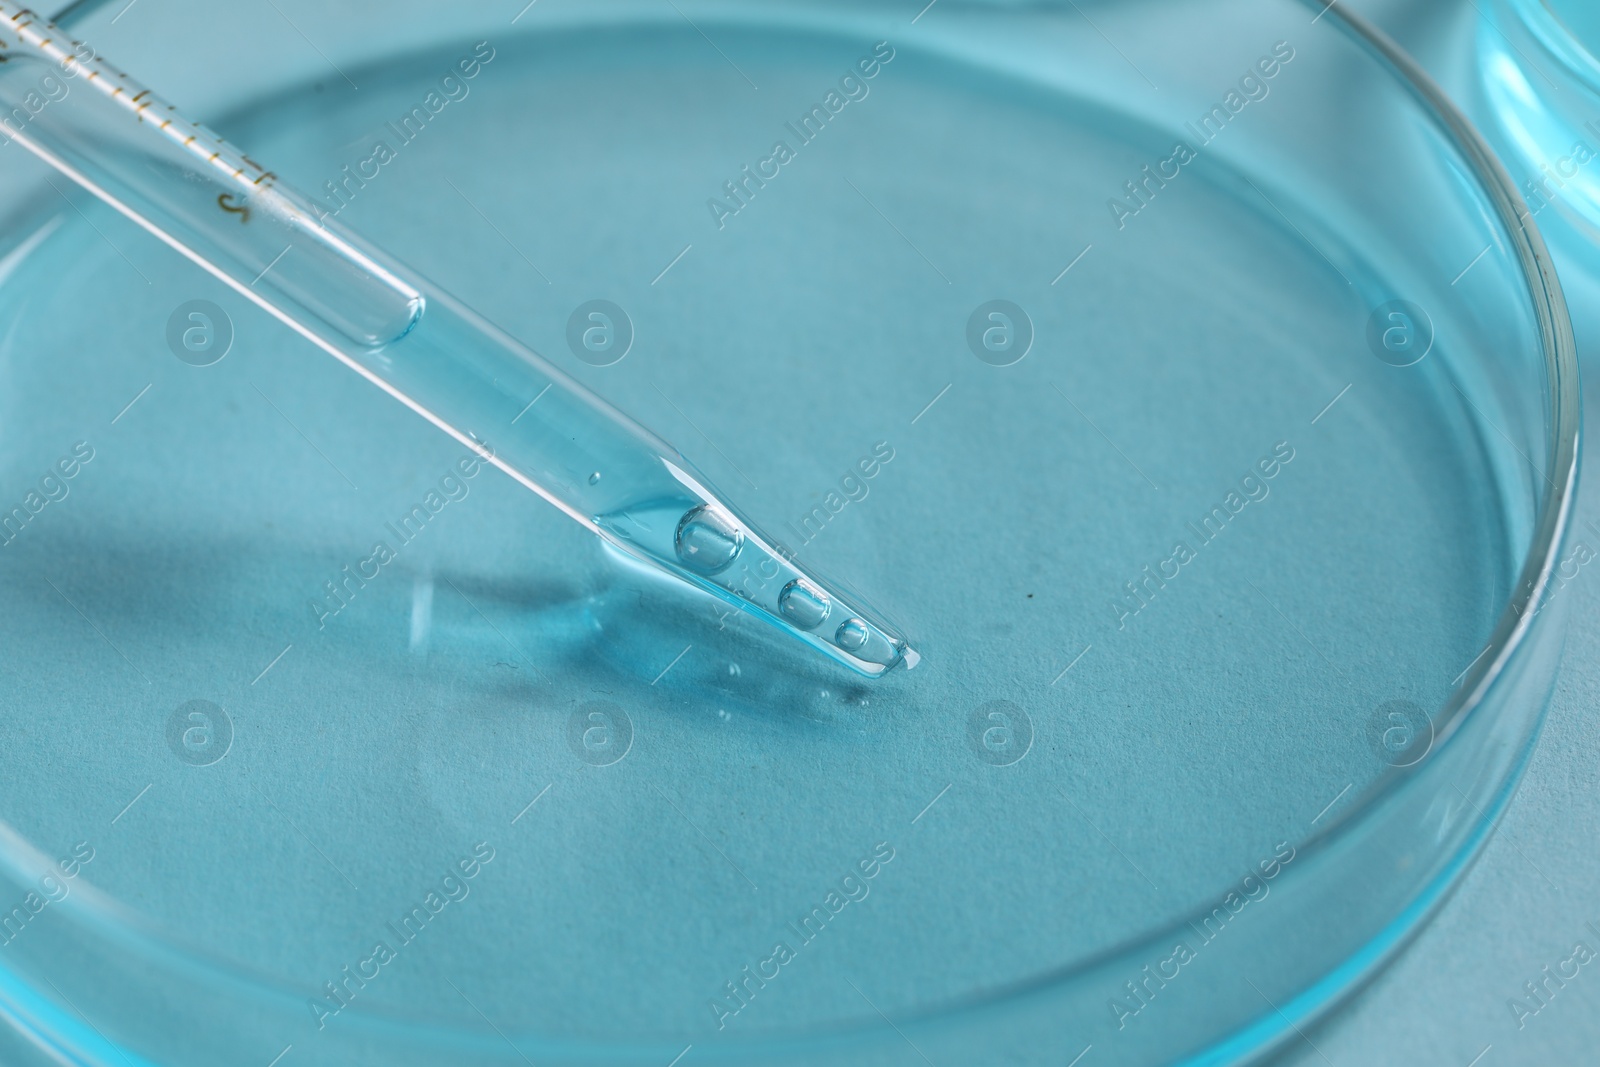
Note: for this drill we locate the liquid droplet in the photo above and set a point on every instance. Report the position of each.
(708, 539)
(852, 635)
(804, 604)
(594, 479)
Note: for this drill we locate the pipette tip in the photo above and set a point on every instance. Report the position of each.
(722, 553)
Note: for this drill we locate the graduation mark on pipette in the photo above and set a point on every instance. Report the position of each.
(190, 188)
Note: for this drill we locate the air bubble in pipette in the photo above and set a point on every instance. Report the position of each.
(868, 643)
(852, 635)
(708, 539)
(804, 604)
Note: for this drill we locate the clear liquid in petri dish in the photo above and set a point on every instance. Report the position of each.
(1084, 680)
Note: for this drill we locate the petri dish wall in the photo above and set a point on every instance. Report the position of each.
(1182, 379)
(1540, 86)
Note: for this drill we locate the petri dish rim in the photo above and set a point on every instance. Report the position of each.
(1559, 40)
(1505, 647)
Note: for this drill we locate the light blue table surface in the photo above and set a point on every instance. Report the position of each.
(1536, 888)
(1535, 891)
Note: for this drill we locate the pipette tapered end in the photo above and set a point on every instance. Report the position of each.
(704, 542)
(735, 558)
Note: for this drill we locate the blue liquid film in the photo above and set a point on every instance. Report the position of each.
(1210, 712)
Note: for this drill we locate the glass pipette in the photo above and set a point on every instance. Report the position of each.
(420, 345)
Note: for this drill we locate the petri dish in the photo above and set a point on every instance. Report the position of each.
(1210, 432)
(1540, 89)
